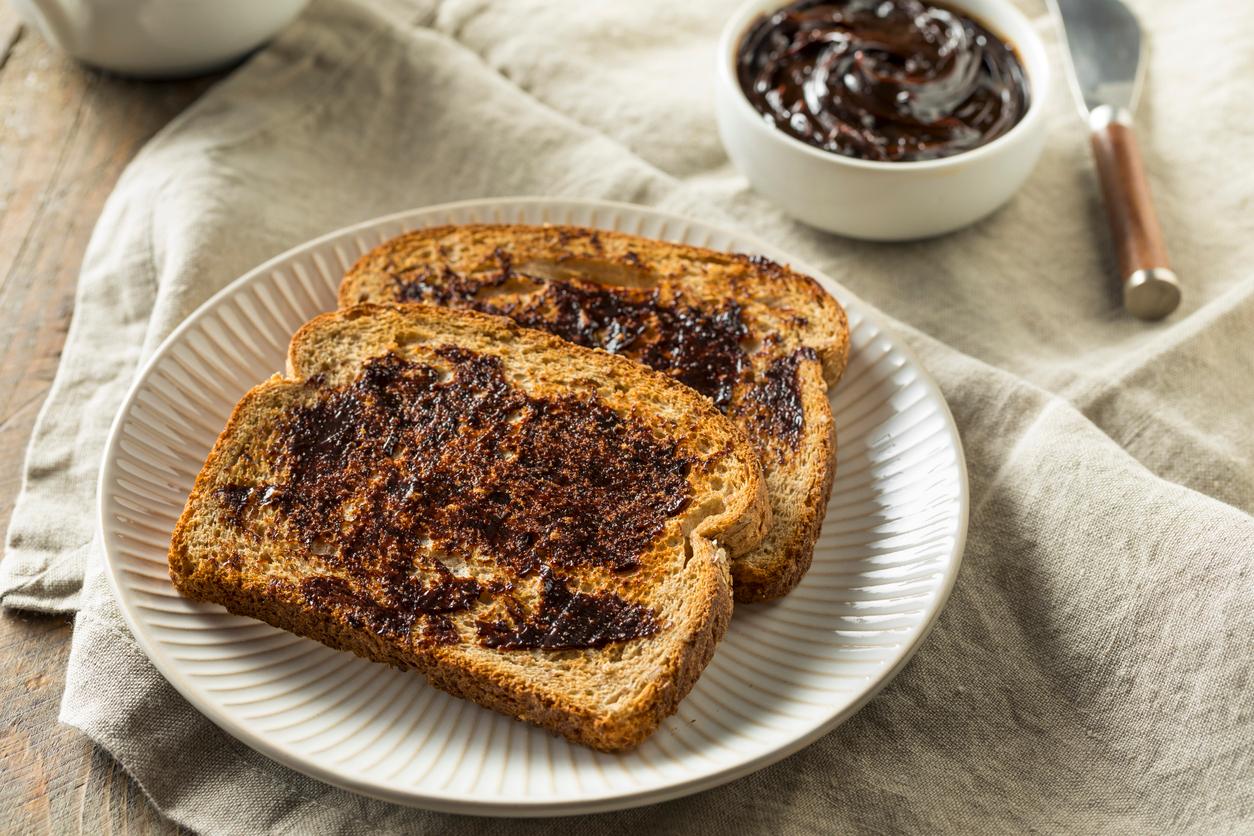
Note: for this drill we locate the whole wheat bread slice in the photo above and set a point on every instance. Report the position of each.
(761, 341)
(534, 526)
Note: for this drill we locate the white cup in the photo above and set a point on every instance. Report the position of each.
(883, 201)
(158, 37)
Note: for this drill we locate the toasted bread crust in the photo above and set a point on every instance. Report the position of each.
(208, 569)
(799, 477)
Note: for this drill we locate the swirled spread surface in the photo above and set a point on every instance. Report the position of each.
(884, 80)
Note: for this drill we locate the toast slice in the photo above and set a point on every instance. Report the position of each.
(537, 527)
(760, 341)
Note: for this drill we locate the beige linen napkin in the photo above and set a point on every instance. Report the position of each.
(1092, 671)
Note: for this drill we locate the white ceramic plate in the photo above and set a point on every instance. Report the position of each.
(788, 671)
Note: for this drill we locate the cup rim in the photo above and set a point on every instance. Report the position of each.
(1034, 58)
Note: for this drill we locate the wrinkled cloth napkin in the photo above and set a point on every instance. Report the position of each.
(1092, 671)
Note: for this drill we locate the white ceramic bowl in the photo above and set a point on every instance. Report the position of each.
(158, 38)
(883, 201)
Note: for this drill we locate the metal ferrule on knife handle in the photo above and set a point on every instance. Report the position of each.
(1150, 288)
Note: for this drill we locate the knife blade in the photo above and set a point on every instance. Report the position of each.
(1107, 66)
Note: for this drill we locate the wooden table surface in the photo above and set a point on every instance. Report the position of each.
(66, 133)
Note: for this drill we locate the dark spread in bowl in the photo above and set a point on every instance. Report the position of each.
(883, 80)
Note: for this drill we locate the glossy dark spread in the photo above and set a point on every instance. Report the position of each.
(774, 404)
(888, 80)
(405, 472)
(570, 620)
(698, 346)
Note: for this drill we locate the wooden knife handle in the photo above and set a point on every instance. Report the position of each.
(1150, 289)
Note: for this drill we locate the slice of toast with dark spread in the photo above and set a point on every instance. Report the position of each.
(534, 526)
(759, 341)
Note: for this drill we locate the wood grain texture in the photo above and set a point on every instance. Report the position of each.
(66, 133)
(1134, 228)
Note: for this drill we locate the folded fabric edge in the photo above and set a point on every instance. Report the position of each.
(36, 580)
(39, 602)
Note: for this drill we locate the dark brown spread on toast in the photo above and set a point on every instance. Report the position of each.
(569, 620)
(701, 346)
(395, 479)
(773, 405)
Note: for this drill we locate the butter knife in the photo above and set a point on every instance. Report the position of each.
(1107, 67)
